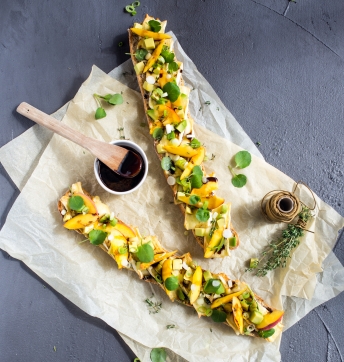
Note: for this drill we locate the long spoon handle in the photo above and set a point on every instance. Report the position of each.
(51, 123)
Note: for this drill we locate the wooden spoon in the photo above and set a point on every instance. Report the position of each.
(122, 161)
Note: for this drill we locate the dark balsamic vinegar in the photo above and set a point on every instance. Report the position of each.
(119, 183)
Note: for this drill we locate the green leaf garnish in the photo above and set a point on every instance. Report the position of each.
(167, 55)
(97, 237)
(170, 136)
(194, 199)
(196, 181)
(76, 203)
(197, 171)
(171, 283)
(158, 355)
(100, 113)
(166, 163)
(140, 54)
(239, 180)
(266, 334)
(172, 91)
(155, 25)
(173, 67)
(202, 215)
(218, 316)
(116, 99)
(158, 133)
(145, 253)
(195, 143)
(242, 159)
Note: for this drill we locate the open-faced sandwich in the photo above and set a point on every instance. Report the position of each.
(212, 295)
(166, 101)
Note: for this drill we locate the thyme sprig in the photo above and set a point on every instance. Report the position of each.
(277, 252)
(154, 307)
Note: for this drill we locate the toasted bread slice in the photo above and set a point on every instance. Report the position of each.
(135, 41)
(212, 295)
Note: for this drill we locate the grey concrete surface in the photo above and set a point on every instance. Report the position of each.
(277, 65)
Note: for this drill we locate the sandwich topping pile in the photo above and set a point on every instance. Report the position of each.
(166, 101)
(212, 295)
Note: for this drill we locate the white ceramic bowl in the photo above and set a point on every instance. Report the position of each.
(135, 147)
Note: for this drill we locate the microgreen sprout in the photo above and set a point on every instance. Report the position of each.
(153, 306)
(242, 160)
(113, 99)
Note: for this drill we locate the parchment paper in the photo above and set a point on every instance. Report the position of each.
(301, 306)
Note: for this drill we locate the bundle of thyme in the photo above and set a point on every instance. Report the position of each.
(278, 251)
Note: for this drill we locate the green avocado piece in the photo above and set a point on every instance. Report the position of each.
(256, 317)
(212, 286)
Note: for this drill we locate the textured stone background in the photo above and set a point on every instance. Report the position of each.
(277, 66)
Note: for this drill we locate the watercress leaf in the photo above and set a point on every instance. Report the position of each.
(170, 136)
(145, 253)
(196, 181)
(172, 91)
(218, 316)
(158, 355)
(106, 97)
(194, 199)
(155, 26)
(158, 133)
(202, 215)
(100, 113)
(242, 159)
(97, 237)
(197, 170)
(167, 55)
(173, 67)
(195, 143)
(140, 54)
(166, 163)
(171, 283)
(76, 203)
(116, 99)
(239, 180)
(266, 334)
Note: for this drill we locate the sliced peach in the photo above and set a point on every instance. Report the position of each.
(163, 79)
(270, 320)
(214, 241)
(150, 34)
(166, 114)
(155, 56)
(80, 221)
(227, 298)
(108, 228)
(89, 203)
(195, 161)
(237, 314)
(206, 189)
(126, 230)
(183, 150)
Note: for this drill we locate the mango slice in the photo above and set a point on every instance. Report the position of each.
(126, 230)
(206, 189)
(154, 57)
(213, 201)
(121, 258)
(237, 314)
(183, 150)
(214, 241)
(166, 114)
(150, 34)
(227, 298)
(80, 221)
(195, 161)
(196, 284)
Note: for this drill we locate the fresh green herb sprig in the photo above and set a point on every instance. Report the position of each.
(154, 307)
(278, 252)
(170, 326)
(113, 99)
(242, 159)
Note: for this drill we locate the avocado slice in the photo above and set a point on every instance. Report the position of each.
(256, 317)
